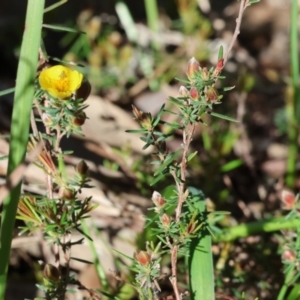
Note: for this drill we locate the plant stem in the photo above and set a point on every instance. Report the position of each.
(243, 5)
(187, 138)
(20, 125)
(245, 230)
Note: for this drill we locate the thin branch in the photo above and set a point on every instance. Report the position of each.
(243, 6)
(187, 139)
(33, 125)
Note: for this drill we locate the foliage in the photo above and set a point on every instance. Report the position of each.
(181, 223)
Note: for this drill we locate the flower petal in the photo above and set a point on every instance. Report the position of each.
(60, 81)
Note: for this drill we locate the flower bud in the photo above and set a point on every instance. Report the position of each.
(68, 193)
(79, 118)
(143, 258)
(192, 68)
(84, 90)
(211, 94)
(82, 168)
(144, 119)
(288, 200)
(288, 255)
(219, 67)
(47, 119)
(157, 199)
(194, 94)
(204, 74)
(183, 91)
(51, 272)
(165, 220)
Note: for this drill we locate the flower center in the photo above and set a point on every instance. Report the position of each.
(62, 83)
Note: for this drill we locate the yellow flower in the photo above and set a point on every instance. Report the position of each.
(60, 81)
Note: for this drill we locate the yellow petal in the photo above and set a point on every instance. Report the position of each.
(60, 81)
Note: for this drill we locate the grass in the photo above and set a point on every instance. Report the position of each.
(23, 98)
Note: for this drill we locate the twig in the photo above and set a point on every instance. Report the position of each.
(243, 6)
(187, 138)
(33, 125)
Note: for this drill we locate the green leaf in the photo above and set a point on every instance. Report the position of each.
(83, 233)
(170, 158)
(223, 117)
(220, 55)
(123, 255)
(171, 112)
(158, 178)
(4, 157)
(201, 279)
(157, 118)
(55, 5)
(176, 101)
(142, 131)
(253, 2)
(231, 165)
(172, 125)
(295, 292)
(146, 146)
(62, 28)
(228, 88)
(192, 155)
(155, 162)
(7, 91)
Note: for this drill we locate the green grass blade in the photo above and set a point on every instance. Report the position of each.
(55, 5)
(62, 28)
(223, 117)
(244, 230)
(293, 101)
(20, 125)
(201, 260)
(8, 91)
(152, 20)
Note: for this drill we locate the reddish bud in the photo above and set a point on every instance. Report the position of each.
(288, 200)
(194, 94)
(79, 118)
(211, 94)
(219, 67)
(51, 272)
(165, 220)
(183, 91)
(288, 255)
(157, 199)
(68, 194)
(192, 68)
(143, 258)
